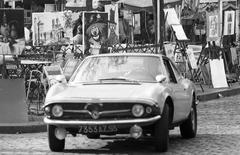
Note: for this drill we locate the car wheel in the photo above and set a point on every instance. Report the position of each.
(161, 132)
(188, 128)
(55, 144)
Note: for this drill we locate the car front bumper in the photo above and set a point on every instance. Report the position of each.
(140, 121)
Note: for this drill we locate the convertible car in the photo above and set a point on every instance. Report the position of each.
(132, 94)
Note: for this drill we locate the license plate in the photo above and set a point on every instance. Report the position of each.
(98, 129)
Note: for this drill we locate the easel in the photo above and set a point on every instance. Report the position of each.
(211, 52)
(181, 47)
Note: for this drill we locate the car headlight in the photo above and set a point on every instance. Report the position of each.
(137, 110)
(47, 110)
(57, 111)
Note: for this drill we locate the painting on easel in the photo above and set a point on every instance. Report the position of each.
(95, 29)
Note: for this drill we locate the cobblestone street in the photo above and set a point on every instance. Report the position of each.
(218, 133)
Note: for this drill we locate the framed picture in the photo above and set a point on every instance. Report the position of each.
(113, 23)
(229, 22)
(51, 28)
(95, 29)
(212, 26)
(137, 23)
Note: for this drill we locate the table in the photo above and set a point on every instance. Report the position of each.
(28, 65)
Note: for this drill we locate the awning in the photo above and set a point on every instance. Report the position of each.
(144, 3)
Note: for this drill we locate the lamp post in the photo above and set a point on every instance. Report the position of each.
(158, 6)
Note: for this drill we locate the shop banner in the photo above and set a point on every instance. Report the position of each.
(13, 101)
(218, 75)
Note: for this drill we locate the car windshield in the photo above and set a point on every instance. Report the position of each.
(118, 69)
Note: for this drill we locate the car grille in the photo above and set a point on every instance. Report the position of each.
(106, 111)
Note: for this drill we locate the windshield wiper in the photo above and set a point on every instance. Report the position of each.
(119, 78)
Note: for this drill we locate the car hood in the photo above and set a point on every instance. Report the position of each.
(149, 92)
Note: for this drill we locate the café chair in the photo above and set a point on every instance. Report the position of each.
(36, 91)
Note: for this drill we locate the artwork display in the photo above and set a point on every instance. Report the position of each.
(113, 23)
(172, 17)
(196, 50)
(212, 27)
(11, 31)
(137, 23)
(229, 22)
(218, 75)
(179, 32)
(76, 3)
(191, 57)
(95, 28)
(169, 50)
(51, 28)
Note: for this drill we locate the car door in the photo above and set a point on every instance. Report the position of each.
(179, 92)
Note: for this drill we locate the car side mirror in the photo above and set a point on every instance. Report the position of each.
(60, 79)
(160, 78)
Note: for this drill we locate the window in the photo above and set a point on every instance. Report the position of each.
(169, 70)
(176, 71)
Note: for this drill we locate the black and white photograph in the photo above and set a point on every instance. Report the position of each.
(120, 77)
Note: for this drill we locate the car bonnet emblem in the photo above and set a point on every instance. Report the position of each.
(93, 109)
(95, 114)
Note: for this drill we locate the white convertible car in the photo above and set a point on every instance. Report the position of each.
(124, 93)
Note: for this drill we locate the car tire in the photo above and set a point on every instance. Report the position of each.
(188, 128)
(55, 144)
(161, 131)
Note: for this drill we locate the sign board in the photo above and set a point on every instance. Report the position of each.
(218, 75)
(54, 72)
(13, 101)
